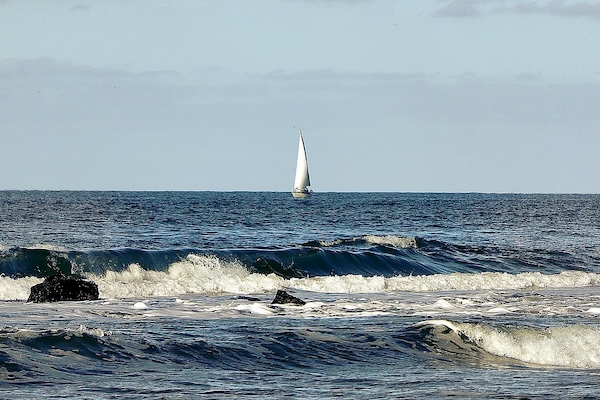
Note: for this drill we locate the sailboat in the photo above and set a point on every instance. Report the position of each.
(302, 179)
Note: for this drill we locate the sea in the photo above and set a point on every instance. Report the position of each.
(408, 295)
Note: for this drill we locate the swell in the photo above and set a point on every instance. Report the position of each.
(56, 355)
(30, 356)
(311, 259)
(368, 256)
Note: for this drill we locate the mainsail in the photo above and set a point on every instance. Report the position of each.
(302, 179)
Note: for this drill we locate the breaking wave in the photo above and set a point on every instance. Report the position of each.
(367, 263)
(572, 346)
(209, 274)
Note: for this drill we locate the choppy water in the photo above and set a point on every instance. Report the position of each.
(408, 295)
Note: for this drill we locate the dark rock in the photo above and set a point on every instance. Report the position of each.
(249, 298)
(283, 297)
(63, 288)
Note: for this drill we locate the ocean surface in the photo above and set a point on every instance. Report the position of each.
(409, 296)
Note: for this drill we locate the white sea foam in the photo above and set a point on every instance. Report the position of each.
(67, 333)
(140, 306)
(206, 274)
(499, 310)
(194, 274)
(445, 282)
(49, 247)
(388, 240)
(330, 243)
(339, 284)
(444, 305)
(16, 288)
(392, 240)
(82, 329)
(574, 346)
(255, 308)
(492, 281)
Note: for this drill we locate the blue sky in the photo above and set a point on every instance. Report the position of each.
(427, 95)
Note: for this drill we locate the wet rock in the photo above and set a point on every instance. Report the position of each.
(63, 288)
(249, 298)
(283, 297)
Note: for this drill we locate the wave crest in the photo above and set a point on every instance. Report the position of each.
(208, 274)
(392, 240)
(211, 275)
(194, 274)
(492, 281)
(401, 242)
(573, 346)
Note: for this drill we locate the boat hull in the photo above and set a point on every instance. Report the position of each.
(301, 195)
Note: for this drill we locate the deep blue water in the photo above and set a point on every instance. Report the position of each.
(409, 295)
(328, 234)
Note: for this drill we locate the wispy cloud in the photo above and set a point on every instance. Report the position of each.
(51, 68)
(560, 8)
(461, 8)
(80, 7)
(319, 75)
(47, 67)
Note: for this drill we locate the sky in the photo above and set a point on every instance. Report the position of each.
(401, 96)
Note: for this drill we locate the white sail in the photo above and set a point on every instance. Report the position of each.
(302, 179)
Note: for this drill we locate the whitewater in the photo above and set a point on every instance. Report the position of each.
(407, 295)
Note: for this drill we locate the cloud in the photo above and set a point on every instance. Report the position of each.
(47, 67)
(80, 7)
(560, 8)
(460, 8)
(328, 74)
(71, 126)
